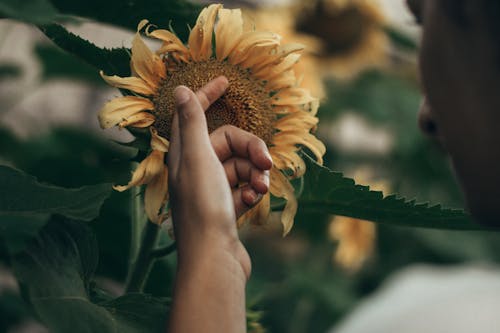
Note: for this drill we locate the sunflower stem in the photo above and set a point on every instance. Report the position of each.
(137, 224)
(141, 267)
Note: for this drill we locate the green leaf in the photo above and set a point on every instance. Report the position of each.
(111, 61)
(32, 11)
(26, 205)
(330, 192)
(58, 64)
(21, 194)
(16, 231)
(129, 13)
(55, 272)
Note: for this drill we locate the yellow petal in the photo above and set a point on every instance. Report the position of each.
(250, 39)
(299, 137)
(286, 79)
(293, 96)
(158, 142)
(356, 241)
(228, 31)
(259, 214)
(147, 170)
(200, 38)
(171, 43)
(156, 195)
(132, 83)
(121, 108)
(139, 120)
(145, 63)
(270, 72)
(296, 120)
(282, 52)
(286, 158)
(255, 55)
(281, 187)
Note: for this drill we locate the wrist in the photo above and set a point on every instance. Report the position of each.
(207, 252)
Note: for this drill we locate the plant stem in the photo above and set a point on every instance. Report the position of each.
(137, 224)
(142, 265)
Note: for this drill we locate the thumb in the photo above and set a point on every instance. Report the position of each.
(193, 132)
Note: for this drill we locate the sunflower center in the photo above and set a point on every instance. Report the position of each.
(340, 30)
(245, 104)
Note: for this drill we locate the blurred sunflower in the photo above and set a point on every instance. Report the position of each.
(343, 37)
(263, 98)
(351, 33)
(355, 238)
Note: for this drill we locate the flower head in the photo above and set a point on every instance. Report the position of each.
(263, 98)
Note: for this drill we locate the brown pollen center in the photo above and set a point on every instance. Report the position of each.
(245, 104)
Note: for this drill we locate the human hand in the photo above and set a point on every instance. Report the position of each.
(204, 176)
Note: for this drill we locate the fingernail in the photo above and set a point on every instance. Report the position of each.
(181, 94)
(257, 199)
(269, 158)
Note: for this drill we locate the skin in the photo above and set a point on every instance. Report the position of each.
(213, 265)
(461, 81)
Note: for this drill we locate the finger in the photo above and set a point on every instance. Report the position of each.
(193, 133)
(245, 198)
(211, 92)
(173, 155)
(229, 141)
(240, 170)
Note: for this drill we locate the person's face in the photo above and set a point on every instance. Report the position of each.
(460, 75)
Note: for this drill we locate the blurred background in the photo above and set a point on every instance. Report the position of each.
(331, 274)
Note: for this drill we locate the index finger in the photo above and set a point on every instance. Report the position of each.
(228, 141)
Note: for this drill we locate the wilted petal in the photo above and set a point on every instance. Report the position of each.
(228, 31)
(270, 72)
(158, 142)
(288, 159)
(281, 188)
(144, 62)
(131, 83)
(147, 170)
(299, 137)
(250, 39)
(200, 38)
(293, 96)
(121, 108)
(156, 195)
(259, 214)
(296, 120)
(171, 43)
(138, 120)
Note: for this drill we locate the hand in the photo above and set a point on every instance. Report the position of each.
(204, 176)
(205, 173)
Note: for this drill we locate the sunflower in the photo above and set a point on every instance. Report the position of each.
(355, 241)
(263, 98)
(355, 238)
(350, 32)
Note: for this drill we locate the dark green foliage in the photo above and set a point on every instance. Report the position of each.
(57, 64)
(26, 205)
(111, 61)
(329, 192)
(129, 13)
(33, 11)
(56, 271)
